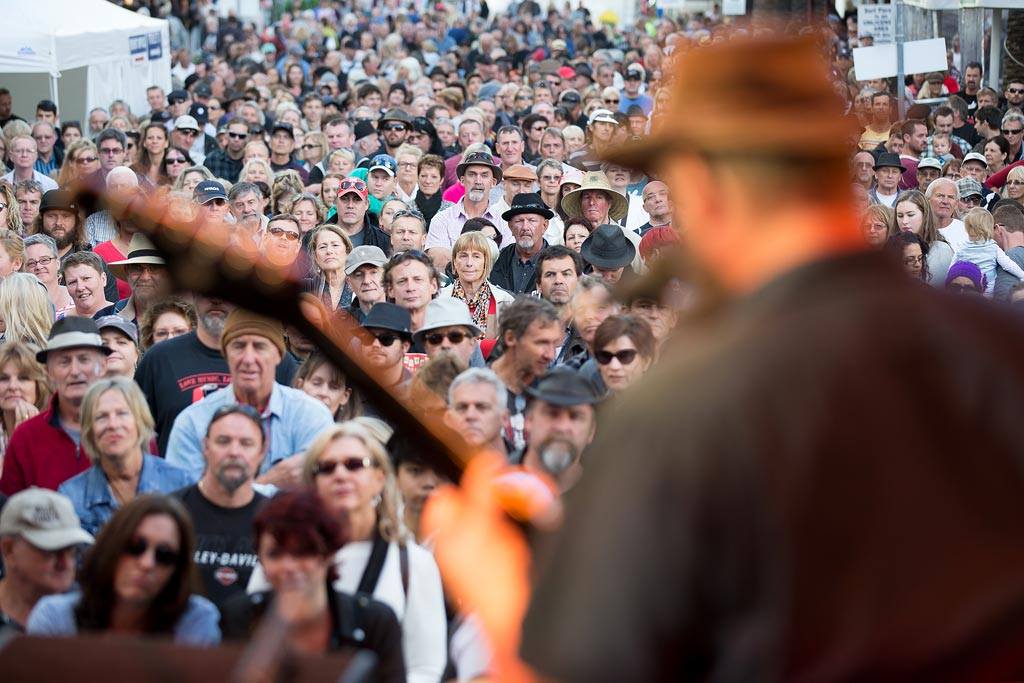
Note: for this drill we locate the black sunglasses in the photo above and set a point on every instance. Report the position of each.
(625, 357)
(1007, 131)
(386, 338)
(454, 336)
(163, 554)
(351, 464)
(396, 126)
(238, 136)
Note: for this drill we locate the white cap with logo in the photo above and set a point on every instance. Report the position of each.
(44, 518)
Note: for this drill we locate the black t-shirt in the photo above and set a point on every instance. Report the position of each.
(173, 373)
(225, 552)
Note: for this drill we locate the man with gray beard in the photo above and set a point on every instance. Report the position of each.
(223, 503)
(176, 373)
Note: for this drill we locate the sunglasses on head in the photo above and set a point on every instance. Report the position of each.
(625, 357)
(353, 184)
(162, 554)
(352, 464)
(233, 408)
(454, 336)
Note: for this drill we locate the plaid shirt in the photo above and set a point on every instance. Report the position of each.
(223, 166)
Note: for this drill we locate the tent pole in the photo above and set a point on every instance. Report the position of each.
(995, 50)
(53, 91)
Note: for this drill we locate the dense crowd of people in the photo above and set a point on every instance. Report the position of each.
(175, 465)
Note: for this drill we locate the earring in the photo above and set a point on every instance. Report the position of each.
(377, 500)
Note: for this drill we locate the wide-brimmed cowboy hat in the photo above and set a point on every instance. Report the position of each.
(140, 252)
(478, 159)
(596, 180)
(798, 114)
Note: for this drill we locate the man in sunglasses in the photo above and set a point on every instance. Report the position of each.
(185, 135)
(253, 346)
(40, 535)
(449, 328)
(281, 240)
(227, 163)
(395, 125)
(561, 422)
(1012, 129)
(223, 503)
(387, 340)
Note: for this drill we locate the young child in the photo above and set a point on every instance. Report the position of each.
(942, 147)
(983, 251)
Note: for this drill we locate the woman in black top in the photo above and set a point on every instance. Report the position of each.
(296, 541)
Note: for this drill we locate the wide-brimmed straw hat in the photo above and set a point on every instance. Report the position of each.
(760, 96)
(596, 180)
(140, 251)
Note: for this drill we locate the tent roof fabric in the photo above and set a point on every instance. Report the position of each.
(46, 36)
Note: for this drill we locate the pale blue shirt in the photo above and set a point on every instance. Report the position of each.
(291, 422)
(54, 615)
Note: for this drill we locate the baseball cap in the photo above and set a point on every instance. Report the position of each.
(116, 322)
(603, 115)
(285, 126)
(930, 162)
(635, 71)
(975, 156)
(353, 186)
(570, 97)
(44, 518)
(202, 90)
(208, 190)
(199, 112)
(384, 162)
(969, 187)
(176, 96)
(364, 129)
(186, 122)
(363, 255)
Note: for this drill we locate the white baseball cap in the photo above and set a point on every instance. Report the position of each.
(44, 518)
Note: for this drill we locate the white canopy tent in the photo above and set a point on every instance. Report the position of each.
(81, 54)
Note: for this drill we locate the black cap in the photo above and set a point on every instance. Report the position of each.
(889, 159)
(285, 126)
(565, 387)
(608, 248)
(208, 190)
(363, 128)
(177, 96)
(57, 199)
(162, 116)
(200, 113)
(570, 96)
(527, 202)
(584, 70)
(202, 90)
(385, 316)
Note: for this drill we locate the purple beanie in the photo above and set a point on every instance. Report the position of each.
(968, 270)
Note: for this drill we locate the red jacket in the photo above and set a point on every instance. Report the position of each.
(40, 453)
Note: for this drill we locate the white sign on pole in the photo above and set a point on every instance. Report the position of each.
(919, 56)
(734, 7)
(877, 21)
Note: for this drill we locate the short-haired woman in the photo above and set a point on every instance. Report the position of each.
(322, 380)
(116, 431)
(138, 579)
(329, 248)
(297, 540)
(472, 261)
(41, 260)
(165, 320)
(623, 349)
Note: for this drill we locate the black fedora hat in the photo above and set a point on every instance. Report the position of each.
(565, 387)
(888, 159)
(608, 248)
(527, 202)
(385, 316)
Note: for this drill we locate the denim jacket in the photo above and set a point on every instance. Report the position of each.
(94, 501)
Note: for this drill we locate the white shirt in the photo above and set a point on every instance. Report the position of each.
(45, 181)
(887, 199)
(956, 234)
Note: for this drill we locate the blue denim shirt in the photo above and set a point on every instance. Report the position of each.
(94, 501)
(291, 421)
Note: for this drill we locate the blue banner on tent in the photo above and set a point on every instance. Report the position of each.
(155, 46)
(138, 45)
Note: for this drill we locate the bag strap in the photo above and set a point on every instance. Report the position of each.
(403, 560)
(374, 565)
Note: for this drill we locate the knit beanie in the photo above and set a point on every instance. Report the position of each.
(241, 322)
(968, 270)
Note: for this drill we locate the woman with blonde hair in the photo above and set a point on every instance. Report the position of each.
(313, 149)
(24, 389)
(257, 171)
(309, 211)
(190, 177)
(12, 253)
(1014, 186)
(472, 261)
(875, 225)
(351, 472)
(286, 185)
(26, 313)
(117, 429)
(10, 212)
(913, 213)
(81, 159)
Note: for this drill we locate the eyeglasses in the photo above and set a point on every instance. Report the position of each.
(45, 261)
(973, 199)
(188, 131)
(1007, 131)
(407, 164)
(624, 357)
(396, 126)
(286, 234)
(1015, 91)
(957, 288)
(176, 160)
(233, 408)
(407, 213)
(454, 336)
(86, 160)
(163, 555)
(311, 146)
(238, 136)
(2, 206)
(351, 464)
(111, 150)
(609, 101)
(913, 260)
(386, 338)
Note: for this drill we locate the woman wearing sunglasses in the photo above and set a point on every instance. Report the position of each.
(175, 162)
(297, 540)
(352, 473)
(117, 428)
(81, 160)
(139, 579)
(623, 350)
